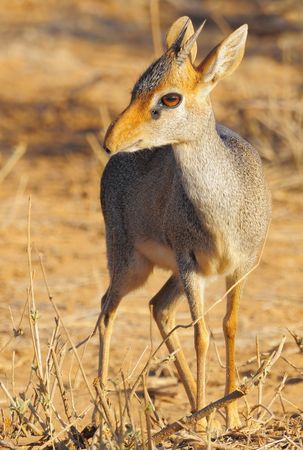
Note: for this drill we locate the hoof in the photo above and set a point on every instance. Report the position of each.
(210, 426)
(233, 421)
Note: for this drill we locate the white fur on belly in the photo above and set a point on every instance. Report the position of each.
(158, 254)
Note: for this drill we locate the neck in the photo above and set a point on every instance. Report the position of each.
(202, 150)
(200, 162)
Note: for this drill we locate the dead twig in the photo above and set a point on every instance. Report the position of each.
(63, 392)
(298, 339)
(59, 316)
(98, 151)
(16, 331)
(10, 163)
(4, 443)
(107, 412)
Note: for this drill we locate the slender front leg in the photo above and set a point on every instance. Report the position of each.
(195, 294)
(164, 304)
(194, 286)
(230, 327)
(109, 305)
(123, 280)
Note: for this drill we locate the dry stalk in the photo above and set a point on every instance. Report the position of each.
(293, 405)
(298, 339)
(129, 376)
(7, 444)
(259, 377)
(147, 406)
(121, 423)
(53, 342)
(97, 149)
(127, 404)
(104, 115)
(67, 428)
(300, 371)
(71, 388)
(293, 443)
(59, 316)
(35, 417)
(155, 27)
(223, 366)
(61, 386)
(105, 406)
(260, 387)
(43, 378)
(10, 218)
(33, 313)
(13, 372)
(277, 393)
(16, 331)
(142, 430)
(10, 163)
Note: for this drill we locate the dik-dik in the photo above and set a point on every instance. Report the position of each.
(183, 193)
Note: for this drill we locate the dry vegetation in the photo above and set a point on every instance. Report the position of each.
(66, 69)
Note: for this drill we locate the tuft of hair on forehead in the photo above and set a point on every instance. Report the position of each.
(153, 75)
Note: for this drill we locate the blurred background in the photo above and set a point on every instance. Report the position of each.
(66, 69)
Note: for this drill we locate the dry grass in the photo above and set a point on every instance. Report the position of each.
(45, 415)
(66, 73)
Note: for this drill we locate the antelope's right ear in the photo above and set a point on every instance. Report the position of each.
(225, 58)
(175, 31)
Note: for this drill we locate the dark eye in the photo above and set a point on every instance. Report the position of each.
(171, 100)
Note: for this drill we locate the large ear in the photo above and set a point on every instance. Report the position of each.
(224, 58)
(175, 30)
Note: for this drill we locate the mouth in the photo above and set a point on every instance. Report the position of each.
(132, 147)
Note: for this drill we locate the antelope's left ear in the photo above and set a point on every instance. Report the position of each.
(225, 58)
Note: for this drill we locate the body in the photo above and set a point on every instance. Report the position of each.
(159, 208)
(185, 194)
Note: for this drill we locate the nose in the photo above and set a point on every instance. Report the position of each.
(107, 137)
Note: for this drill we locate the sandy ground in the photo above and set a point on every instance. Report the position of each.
(73, 68)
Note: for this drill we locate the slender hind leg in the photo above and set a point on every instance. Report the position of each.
(194, 289)
(230, 327)
(124, 280)
(164, 304)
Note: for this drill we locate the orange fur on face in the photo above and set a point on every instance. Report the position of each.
(125, 130)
